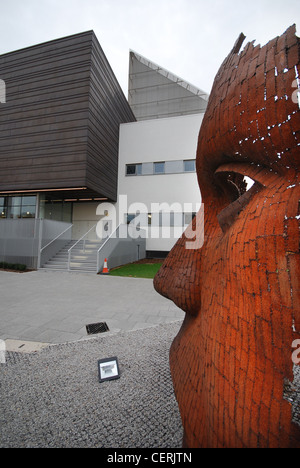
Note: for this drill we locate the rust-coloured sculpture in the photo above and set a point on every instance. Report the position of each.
(232, 358)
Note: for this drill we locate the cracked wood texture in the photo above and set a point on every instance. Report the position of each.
(232, 358)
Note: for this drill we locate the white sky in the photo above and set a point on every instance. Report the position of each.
(190, 38)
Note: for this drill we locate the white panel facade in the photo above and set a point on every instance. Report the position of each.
(143, 144)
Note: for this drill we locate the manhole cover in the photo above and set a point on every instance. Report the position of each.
(95, 328)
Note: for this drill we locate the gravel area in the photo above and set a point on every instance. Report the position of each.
(53, 398)
(292, 394)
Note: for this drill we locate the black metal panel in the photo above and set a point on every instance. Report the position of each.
(59, 127)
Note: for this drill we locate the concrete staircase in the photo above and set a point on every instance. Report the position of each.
(83, 257)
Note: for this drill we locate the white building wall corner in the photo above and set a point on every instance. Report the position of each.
(171, 140)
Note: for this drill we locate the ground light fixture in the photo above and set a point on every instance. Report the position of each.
(108, 369)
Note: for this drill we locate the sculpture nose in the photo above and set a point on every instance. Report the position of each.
(179, 277)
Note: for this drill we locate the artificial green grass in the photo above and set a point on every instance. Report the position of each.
(137, 270)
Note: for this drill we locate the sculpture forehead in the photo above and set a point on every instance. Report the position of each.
(253, 112)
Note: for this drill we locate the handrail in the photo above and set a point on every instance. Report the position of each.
(57, 237)
(69, 251)
(104, 243)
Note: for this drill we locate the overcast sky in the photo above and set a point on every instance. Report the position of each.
(190, 38)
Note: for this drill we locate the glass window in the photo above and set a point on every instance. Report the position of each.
(28, 211)
(188, 218)
(3, 209)
(142, 219)
(28, 206)
(19, 207)
(130, 169)
(172, 219)
(14, 212)
(30, 201)
(190, 165)
(57, 211)
(134, 169)
(15, 201)
(129, 218)
(159, 168)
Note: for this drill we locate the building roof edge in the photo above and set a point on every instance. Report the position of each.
(171, 76)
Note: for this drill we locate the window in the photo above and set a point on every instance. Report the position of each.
(28, 207)
(167, 219)
(129, 218)
(3, 208)
(17, 207)
(159, 168)
(189, 165)
(142, 219)
(188, 218)
(133, 169)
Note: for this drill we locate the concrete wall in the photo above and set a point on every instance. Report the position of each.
(84, 218)
(55, 235)
(121, 249)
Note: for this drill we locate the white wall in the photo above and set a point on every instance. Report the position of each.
(168, 139)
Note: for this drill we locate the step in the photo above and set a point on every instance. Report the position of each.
(64, 266)
(95, 244)
(57, 268)
(56, 262)
(86, 250)
(83, 257)
(76, 257)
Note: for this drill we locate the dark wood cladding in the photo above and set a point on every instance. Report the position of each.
(59, 127)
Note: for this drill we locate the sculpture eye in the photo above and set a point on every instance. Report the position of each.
(239, 189)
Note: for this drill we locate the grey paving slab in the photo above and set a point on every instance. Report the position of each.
(55, 307)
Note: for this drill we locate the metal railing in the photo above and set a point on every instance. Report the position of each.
(79, 240)
(103, 245)
(121, 248)
(50, 243)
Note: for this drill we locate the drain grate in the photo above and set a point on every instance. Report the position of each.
(94, 328)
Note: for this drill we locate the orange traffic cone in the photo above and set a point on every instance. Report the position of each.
(105, 270)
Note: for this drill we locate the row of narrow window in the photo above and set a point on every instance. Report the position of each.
(161, 167)
(161, 219)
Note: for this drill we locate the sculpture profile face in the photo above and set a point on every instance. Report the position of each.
(232, 358)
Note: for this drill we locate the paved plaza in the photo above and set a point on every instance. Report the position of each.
(50, 391)
(55, 307)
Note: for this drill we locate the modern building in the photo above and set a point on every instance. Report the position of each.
(157, 170)
(63, 110)
(71, 141)
(157, 166)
